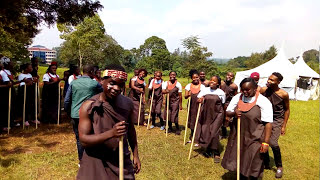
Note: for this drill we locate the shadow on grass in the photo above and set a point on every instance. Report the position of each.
(7, 162)
(45, 144)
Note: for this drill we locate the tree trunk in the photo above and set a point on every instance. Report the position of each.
(80, 57)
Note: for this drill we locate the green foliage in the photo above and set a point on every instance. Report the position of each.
(191, 42)
(238, 62)
(311, 57)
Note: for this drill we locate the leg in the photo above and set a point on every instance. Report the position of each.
(75, 122)
(153, 115)
(161, 120)
(178, 132)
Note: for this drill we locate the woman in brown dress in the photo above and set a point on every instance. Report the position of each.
(156, 84)
(256, 116)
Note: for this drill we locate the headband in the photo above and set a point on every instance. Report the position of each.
(115, 73)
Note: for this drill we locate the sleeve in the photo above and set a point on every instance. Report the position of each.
(67, 99)
(202, 87)
(4, 76)
(134, 78)
(20, 78)
(266, 109)
(164, 85)
(45, 78)
(70, 79)
(57, 75)
(223, 96)
(150, 84)
(188, 87)
(179, 87)
(201, 93)
(233, 103)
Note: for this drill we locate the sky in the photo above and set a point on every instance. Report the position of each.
(229, 28)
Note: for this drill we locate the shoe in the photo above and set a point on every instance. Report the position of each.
(216, 159)
(189, 141)
(152, 126)
(145, 124)
(178, 132)
(196, 145)
(26, 123)
(279, 173)
(162, 128)
(36, 121)
(267, 166)
(17, 125)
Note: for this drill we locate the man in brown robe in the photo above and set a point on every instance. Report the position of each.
(255, 113)
(103, 120)
(281, 111)
(230, 89)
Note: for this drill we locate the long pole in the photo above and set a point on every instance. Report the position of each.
(194, 132)
(36, 103)
(139, 110)
(150, 108)
(121, 158)
(24, 106)
(167, 120)
(186, 127)
(238, 150)
(59, 103)
(9, 110)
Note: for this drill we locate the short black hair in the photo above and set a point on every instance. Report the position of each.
(278, 75)
(33, 59)
(88, 69)
(24, 66)
(144, 70)
(219, 79)
(192, 72)
(50, 67)
(115, 67)
(172, 72)
(250, 80)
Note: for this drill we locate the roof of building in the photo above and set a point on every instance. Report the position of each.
(39, 48)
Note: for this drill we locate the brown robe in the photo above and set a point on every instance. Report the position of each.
(174, 100)
(157, 101)
(229, 93)
(135, 96)
(102, 161)
(210, 122)
(251, 137)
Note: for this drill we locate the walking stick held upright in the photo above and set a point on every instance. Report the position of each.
(150, 107)
(9, 110)
(121, 160)
(238, 149)
(186, 127)
(167, 120)
(139, 110)
(36, 103)
(194, 132)
(58, 103)
(24, 106)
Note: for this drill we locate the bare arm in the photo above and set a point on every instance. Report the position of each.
(187, 94)
(267, 130)
(135, 87)
(180, 100)
(286, 113)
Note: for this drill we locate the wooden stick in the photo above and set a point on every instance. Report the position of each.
(24, 106)
(59, 103)
(139, 109)
(121, 160)
(167, 120)
(194, 131)
(36, 103)
(39, 100)
(238, 150)
(9, 110)
(186, 127)
(150, 108)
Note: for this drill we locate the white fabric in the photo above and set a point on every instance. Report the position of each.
(46, 77)
(24, 76)
(4, 75)
(178, 85)
(302, 69)
(71, 78)
(151, 82)
(218, 92)
(264, 104)
(135, 78)
(189, 85)
(280, 64)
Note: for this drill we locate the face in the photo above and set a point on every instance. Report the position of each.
(98, 74)
(136, 72)
(172, 76)
(28, 69)
(112, 87)
(230, 76)
(214, 83)
(35, 62)
(256, 79)
(202, 75)
(273, 81)
(248, 89)
(77, 71)
(195, 79)
(141, 74)
(53, 69)
(158, 76)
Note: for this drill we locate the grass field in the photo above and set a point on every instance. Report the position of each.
(50, 151)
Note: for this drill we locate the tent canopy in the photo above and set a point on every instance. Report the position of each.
(302, 69)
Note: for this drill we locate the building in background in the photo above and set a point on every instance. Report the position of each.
(46, 55)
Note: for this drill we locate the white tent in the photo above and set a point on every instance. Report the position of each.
(280, 64)
(304, 71)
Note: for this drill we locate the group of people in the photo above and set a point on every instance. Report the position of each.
(101, 113)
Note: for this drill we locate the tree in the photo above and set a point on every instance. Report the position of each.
(256, 59)
(19, 20)
(191, 42)
(311, 57)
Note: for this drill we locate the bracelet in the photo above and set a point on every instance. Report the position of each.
(266, 144)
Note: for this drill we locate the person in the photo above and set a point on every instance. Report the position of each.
(66, 75)
(211, 118)
(156, 84)
(50, 95)
(35, 67)
(230, 89)
(103, 119)
(27, 80)
(203, 80)
(192, 90)
(137, 90)
(75, 74)
(256, 76)
(174, 89)
(150, 90)
(79, 91)
(97, 74)
(255, 114)
(135, 73)
(281, 111)
(6, 81)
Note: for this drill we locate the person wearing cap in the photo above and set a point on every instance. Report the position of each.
(256, 76)
(105, 118)
(79, 91)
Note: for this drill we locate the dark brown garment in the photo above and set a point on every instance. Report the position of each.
(135, 96)
(210, 122)
(102, 161)
(193, 111)
(251, 137)
(174, 100)
(230, 92)
(50, 94)
(157, 100)
(30, 102)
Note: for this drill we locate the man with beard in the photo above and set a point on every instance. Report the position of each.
(203, 80)
(281, 111)
(230, 89)
(104, 118)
